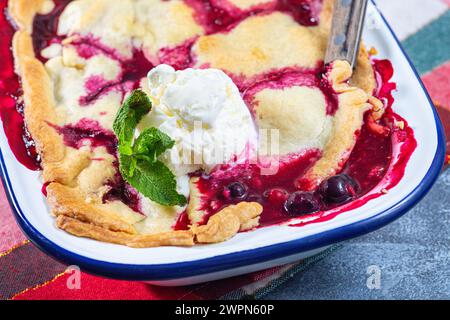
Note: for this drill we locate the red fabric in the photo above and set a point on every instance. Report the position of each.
(437, 83)
(10, 234)
(98, 288)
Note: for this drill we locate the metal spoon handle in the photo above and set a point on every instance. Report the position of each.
(347, 27)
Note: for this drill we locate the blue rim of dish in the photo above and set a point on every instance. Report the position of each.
(229, 261)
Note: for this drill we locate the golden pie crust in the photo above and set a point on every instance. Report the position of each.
(76, 182)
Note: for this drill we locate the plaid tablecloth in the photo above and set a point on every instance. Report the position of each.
(27, 273)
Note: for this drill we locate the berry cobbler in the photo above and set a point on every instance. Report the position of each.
(183, 122)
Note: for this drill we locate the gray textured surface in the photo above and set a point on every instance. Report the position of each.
(412, 253)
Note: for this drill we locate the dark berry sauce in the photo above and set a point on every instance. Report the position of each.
(133, 70)
(96, 86)
(215, 16)
(87, 132)
(369, 159)
(44, 188)
(182, 222)
(122, 191)
(292, 77)
(305, 12)
(179, 57)
(375, 157)
(259, 187)
(11, 105)
(219, 16)
(88, 46)
(45, 27)
(403, 145)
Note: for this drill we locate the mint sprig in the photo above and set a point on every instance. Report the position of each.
(151, 143)
(135, 107)
(138, 158)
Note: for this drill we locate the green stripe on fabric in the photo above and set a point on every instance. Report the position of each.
(430, 47)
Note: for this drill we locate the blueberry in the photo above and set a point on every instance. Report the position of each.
(338, 189)
(237, 190)
(300, 203)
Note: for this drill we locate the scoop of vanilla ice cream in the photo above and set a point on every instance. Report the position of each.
(194, 95)
(203, 111)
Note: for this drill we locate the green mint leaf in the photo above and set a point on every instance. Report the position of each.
(135, 107)
(155, 181)
(151, 143)
(133, 164)
(138, 161)
(127, 164)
